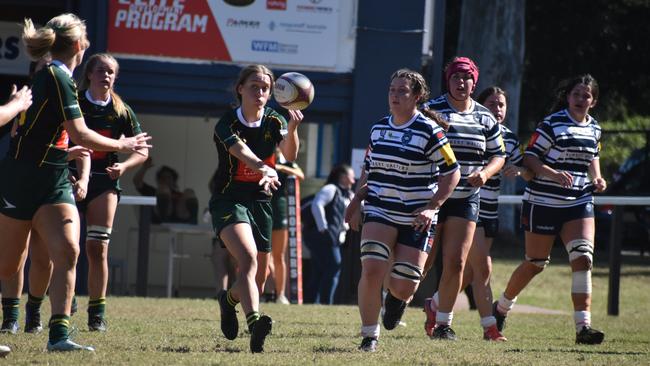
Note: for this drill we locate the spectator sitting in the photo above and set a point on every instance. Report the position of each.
(172, 204)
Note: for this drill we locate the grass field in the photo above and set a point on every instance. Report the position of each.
(186, 331)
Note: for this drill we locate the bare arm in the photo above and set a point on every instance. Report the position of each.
(289, 146)
(594, 171)
(297, 172)
(533, 163)
(18, 101)
(353, 211)
(478, 179)
(80, 134)
(269, 176)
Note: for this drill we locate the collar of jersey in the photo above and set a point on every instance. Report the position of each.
(581, 124)
(253, 124)
(470, 111)
(101, 103)
(390, 121)
(62, 66)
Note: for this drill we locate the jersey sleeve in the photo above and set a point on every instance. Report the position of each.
(282, 127)
(223, 132)
(439, 151)
(132, 125)
(598, 134)
(64, 94)
(494, 140)
(513, 149)
(541, 141)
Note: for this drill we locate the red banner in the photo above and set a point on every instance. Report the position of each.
(185, 29)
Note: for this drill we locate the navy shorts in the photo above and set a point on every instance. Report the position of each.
(549, 220)
(466, 208)
(407, 235)
(490, 226)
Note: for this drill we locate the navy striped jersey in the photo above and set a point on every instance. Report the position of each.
(233, 179)
(490, 191)
(103, 119)
(402, 166)
(474, 136)
(566, 145)
(41, 138)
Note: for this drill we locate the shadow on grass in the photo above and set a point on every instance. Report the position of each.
(573, 350)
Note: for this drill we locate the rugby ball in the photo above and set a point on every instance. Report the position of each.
(293, 91)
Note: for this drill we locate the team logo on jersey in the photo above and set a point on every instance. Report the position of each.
(406, 137)
(382, 134)
(267, 136)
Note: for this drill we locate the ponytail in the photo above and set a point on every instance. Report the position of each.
(57, 37)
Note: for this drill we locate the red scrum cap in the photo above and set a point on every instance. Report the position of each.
(462, 64)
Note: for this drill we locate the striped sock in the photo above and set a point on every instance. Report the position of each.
(10, 309)
(59, 325)
(97, 308)
(231, 301)
(251, 318)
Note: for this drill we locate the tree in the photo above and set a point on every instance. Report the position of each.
(492, 34)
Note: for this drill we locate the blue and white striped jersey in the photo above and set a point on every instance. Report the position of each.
(490, 191)
(474, 136)
(565, 145)
(402, 166)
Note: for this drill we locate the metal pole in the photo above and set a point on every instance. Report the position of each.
(143, 251)
(615, 261)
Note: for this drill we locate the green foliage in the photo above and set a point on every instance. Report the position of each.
(617, 145)
(186, 331)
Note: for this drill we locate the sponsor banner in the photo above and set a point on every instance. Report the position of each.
(13, 57)
(295, 240)
(295, 32)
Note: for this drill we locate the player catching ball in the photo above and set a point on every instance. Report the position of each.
(563, 154)
(246, 139)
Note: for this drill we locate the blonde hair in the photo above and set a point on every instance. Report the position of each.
(248, 71)
(57, 37)
(89, 67)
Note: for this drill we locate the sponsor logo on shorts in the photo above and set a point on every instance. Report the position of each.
(225, 218)
(7, 204)
(544, 227)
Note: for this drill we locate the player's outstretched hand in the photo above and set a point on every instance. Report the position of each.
(135, 143)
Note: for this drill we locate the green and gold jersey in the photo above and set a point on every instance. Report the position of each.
(104, 120)
(234, 180)
(41, 138)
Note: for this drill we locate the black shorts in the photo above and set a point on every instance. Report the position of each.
(466, 208)
(407, 235)
(549, 220)
(490, 226)
(98, 185)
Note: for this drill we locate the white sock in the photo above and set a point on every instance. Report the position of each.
(488, 321)
(370, 331)
(444, 318)
(504, 305)
(582, 318)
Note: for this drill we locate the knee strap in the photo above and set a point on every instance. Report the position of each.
(371, 249)
(406, 271)
(99, 233)
(579, 248)
(539, 262)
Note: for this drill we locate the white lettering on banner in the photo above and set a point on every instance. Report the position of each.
(13, 57)
(157, 15)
